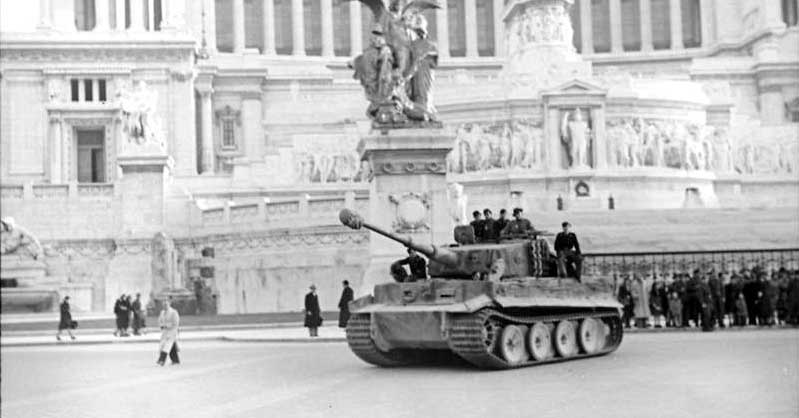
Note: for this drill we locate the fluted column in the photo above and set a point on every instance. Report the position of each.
(616, 45)
(119, 9)
(442, 30)
(645, 9)
(269, 27)
(586, 28)
(675, 19)
(706, 16)
(356, 36)
(499, 28)
(150, 15)
(136, 15)
(238, 26)
(470, 11)
(327, 27)
(45, 15)
(298, 28)
(56, 152)
(207, 160)
(101, 15)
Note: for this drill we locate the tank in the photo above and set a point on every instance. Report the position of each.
(495, 305)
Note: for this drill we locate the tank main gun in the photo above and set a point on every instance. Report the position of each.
(437, 254)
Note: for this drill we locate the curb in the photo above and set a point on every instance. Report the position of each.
(202, 339)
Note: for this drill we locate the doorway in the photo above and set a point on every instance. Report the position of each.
(91, 156)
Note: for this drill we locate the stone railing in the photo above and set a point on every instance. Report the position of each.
(666, 263)
(31, 191)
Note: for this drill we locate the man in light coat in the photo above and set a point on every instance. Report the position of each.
(168, 320)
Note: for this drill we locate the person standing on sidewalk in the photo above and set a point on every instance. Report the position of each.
(118, 312)
(169, 321)
(313, 315)
(65, 322)
(344, 305)
(138, 315)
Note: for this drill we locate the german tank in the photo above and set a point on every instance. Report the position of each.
(495, 305)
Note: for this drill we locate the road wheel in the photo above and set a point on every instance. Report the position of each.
(590, 335)
(511, 345)
(539, 342)
(565, 337)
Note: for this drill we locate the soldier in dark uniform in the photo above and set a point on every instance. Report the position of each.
(692, 299)
(518, 226)
(501, 222)
(417, 264)
(490, 232)
(705, 298)
(478, 226)
(750, 291)
(568, 251)
(313, 314)
(344, 305)
(717, 296)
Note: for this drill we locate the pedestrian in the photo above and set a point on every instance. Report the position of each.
(169, 321)
(570, 259)
(675, 310)
(478, 226)
(705, 303)
(640, 302)
(65, 321)
(313, 315)
(344, 305)
(138, 315)
(750, 290)
(692, 303)
(792, 299)
(125, 314)
(518, 227)
(741, 313)
(118, 315)
(716, 285)
(768, 300)
(626, 299)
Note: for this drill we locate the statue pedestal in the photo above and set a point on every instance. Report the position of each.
(141, 189)
(407, 194)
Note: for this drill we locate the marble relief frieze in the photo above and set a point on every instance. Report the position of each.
(483, 146)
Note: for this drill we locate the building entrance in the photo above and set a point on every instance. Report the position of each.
(91, 156)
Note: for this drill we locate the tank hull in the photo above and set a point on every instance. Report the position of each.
(492, 325)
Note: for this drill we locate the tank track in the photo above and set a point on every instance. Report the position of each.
(467, 339)
(467, 336)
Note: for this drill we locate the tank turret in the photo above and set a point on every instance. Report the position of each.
(519, 258)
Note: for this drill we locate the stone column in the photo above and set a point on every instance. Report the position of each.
(56, 150)
(175, 12)
(269, 27)
(586, 28)
(327, 28)
(210, 25)
(297, 28)
(409, 185)
(207, 120)
(63, 15)
(616, 45)
(499, 31)
(645, 8)
(600, 148)
(470, 9)
(81, 90)
(151, 15)
(442, 30)
(706, 15)
(675, 19)
(238, 26)
(119, 10)
(45, 15)
(96, 89)
(136, 15)
(356, 43)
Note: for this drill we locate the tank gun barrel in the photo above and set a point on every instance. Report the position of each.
(353, 220)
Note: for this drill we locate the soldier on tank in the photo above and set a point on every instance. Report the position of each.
(417, 263)
(490, 232)
(518, 226)
(478, 225)
(568, 251)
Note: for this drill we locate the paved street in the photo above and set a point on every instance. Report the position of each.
(750, 374)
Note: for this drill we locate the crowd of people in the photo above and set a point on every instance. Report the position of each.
(711, 299)
(129, 314)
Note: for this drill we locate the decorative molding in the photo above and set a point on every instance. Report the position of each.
(413, 167)
(412, 212)
(97, 55)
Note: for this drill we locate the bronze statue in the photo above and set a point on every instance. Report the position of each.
(396, 70)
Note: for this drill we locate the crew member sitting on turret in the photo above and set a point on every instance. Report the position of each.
(417, 264)
(518, 226)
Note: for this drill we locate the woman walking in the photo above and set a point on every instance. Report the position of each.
(65, 322)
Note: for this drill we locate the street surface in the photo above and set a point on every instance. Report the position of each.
(723, 374)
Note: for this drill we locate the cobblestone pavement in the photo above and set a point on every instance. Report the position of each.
(751, 374)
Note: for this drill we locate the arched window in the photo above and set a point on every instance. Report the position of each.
(456, 21)
(283, 41)
(691, 23)
(312, 21)
(600, 25)
(341, 28)
(631, 25)
(661, 24)
(485, 27)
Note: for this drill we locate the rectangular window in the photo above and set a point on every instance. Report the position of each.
(74, 85)
(223, 11)
(485, 27)
(341, 28)
(630, 25)
(456, 20)
(91, 156)
(600, 25)
(661, 24)
(691, 23)
(574, 15)
(283, 41)
(228, 134)
(88, 93)
(312, 22)
(101, 90)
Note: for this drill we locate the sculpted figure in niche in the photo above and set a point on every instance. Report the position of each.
(458, 203)
(140, 120)
(516, 145)
(533, 140)
(505, 147)
(723, 150)
(575, 135)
